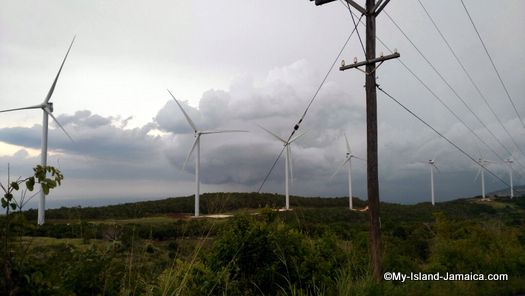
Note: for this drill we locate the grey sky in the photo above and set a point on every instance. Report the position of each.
(236, 64)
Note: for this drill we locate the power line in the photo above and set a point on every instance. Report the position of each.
(449, 109)
(493, 64)
(297, 125)
(458, 60)
(441, 101)
(355, 24)
(452, 89)
(446, 106)
(446, 82)
(271, 169)
(441, 135)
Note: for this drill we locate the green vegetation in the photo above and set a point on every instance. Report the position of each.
(319, 248)
(10, 225)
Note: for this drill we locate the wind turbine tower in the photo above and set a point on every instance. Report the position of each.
(288, 162)
(432, 164)
(509, 163)
(47, 108)
(196, 145)
(482, 164)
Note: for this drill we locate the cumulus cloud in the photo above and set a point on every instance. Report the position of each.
(275, 103)
(122, 159)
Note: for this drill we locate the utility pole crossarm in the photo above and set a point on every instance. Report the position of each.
(369, 62)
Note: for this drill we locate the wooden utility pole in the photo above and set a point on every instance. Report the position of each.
(371, 11)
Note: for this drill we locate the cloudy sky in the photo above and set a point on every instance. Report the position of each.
(235, 64)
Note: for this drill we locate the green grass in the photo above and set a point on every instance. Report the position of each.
(44, 241)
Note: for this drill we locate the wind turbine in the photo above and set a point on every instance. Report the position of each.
(509, 163)
(288, 161)
(432, 164)
(196, 144)
(482, 164)
(47, 108)
(348, 160)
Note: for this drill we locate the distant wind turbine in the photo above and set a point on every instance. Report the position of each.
(481, 171)
(509, 163)
(348, 160)
(47, 108)
(432, 164)
(196, 144)
(288, 170)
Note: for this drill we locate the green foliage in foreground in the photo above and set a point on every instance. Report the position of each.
(48, 178)
(318, 249)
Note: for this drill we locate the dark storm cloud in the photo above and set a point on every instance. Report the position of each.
(94, 137)
(22, 136)
(106, 160)
(278, 101)
(276, 104)
(103, 138)
(105, 150)
(85, 119)
(122, 65)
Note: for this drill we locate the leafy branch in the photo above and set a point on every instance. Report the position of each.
(47, 176)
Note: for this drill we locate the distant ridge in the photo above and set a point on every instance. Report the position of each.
(237, 202)
(518, 191)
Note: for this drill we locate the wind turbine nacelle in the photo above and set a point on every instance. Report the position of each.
(49, 107)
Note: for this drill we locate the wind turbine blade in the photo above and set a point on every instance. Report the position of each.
(52, 89)
(24, 108)
(357, 157)
(274, 135)
(477, 175)
(223, 131)
(185, 114)
(60, 126)
(348, 149)
(436, 167)
(339, 168)
(191, 151)
(290, 161)
(297, 137)
(29, 199)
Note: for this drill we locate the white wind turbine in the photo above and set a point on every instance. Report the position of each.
(432, 164)
(196, 144)
(47, 108)
(348, 160)
(288, 170)
(481, 171)
(509, 163)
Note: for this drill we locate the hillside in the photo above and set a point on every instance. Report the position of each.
(518, 191)
(318, 248)
(220, 203)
